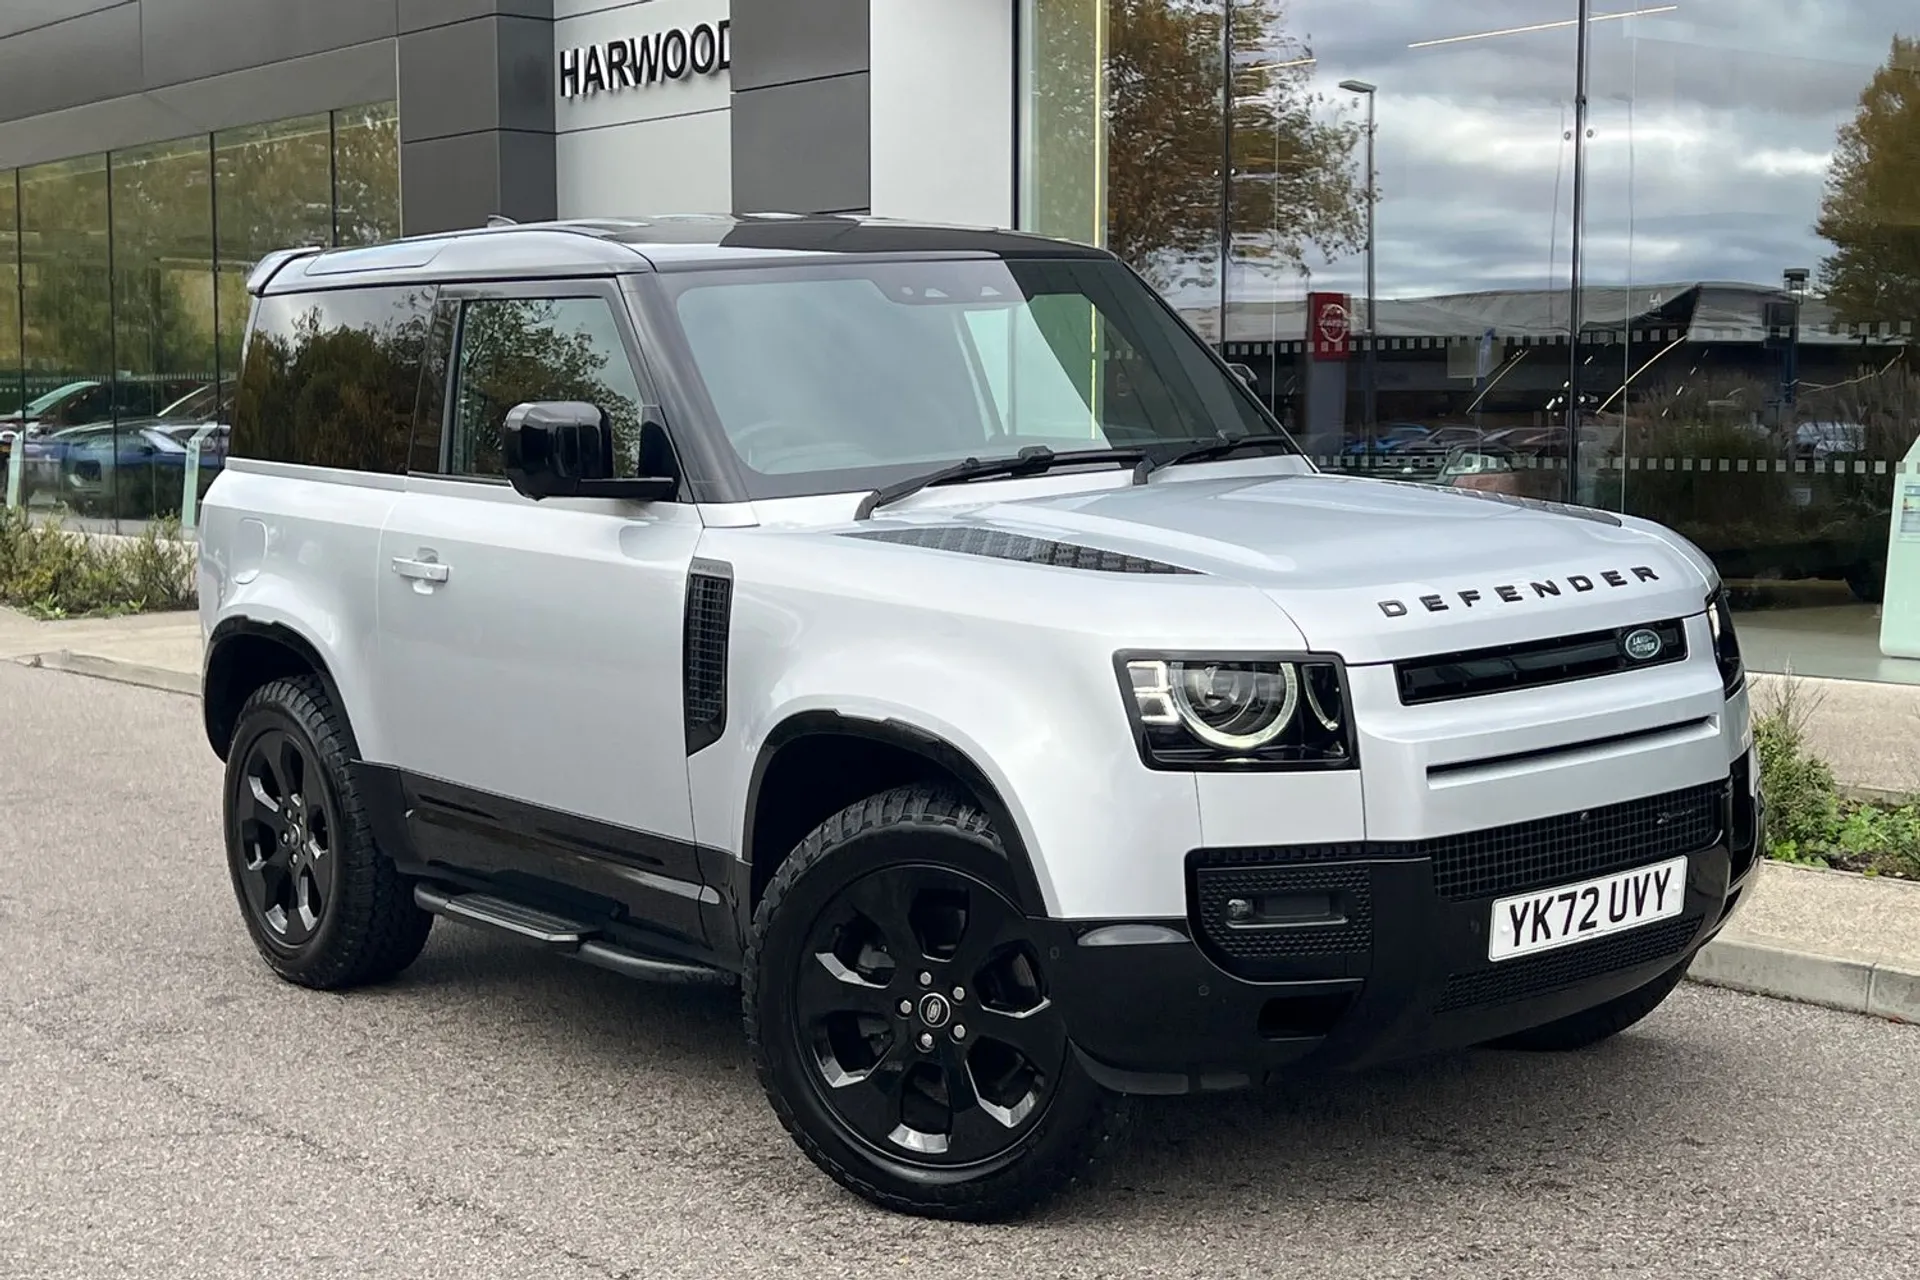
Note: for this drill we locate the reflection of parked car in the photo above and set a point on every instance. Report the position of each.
(132, 471)
(1824, 439)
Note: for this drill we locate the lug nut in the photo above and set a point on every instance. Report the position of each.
(959, 1031)
(959, 994)
(926, 1040)
(906, 1008)
(926, 979)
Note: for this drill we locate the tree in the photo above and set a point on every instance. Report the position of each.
(1871, 209)
(1158, 96)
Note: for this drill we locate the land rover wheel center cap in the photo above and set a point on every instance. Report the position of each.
(934, 1010)
(1642, 645)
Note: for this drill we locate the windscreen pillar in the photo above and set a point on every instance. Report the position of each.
(476, 96)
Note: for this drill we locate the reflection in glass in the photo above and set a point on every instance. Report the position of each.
(163, 333)
(366, 186)
(66, 316)
(524, 350)
(12, 390)
(273, 189)
(331, 379)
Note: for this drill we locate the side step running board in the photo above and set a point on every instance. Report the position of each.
(558, 933)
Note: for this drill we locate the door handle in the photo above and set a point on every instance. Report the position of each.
(421, 570)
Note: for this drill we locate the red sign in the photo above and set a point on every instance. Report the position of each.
(1329, 325)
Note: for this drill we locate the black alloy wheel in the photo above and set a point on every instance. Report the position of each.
(920, 1006)
(325, 906)
(899, 1016)
(286, 822)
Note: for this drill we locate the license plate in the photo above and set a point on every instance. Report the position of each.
(1528, 923)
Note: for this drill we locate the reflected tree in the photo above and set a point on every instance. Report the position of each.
(1292, 181)
(1871, 209)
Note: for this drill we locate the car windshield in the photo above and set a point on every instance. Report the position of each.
(833, 378)
(54, 397)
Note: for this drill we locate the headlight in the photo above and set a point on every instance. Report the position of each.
(1230, 712)
(1726, 645)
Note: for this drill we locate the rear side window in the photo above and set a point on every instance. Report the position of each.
(330, 379)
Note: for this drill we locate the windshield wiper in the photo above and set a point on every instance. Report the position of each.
(1210, 451)
(1030, 461)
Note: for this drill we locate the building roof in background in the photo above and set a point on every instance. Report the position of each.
(1696, 311)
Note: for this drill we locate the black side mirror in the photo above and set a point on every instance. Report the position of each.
(564, 449)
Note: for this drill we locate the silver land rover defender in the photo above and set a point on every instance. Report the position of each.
(926, 631)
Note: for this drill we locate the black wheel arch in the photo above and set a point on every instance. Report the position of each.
(242, 655)
(899, 743)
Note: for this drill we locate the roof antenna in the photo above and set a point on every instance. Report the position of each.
(500, 220)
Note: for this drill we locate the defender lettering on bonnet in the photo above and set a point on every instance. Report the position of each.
(1512, 593)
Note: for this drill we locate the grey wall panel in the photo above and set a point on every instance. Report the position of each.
(525, 73)
(486, 73)
(339, 78)
(450, 183)
(22, 15)
(416, 15)
(447, 85)
(802, 148)
(780, 42)
(68, 63)
(187, 39)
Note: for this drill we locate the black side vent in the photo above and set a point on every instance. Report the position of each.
(998, 544)
(709, 611)
(1474, 672)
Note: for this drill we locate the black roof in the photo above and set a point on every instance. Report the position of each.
(662, 242)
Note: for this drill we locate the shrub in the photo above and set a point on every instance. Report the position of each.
(1809, 821)
(51, 571)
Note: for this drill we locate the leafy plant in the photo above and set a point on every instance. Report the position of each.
(50, 571)
(1809, 821)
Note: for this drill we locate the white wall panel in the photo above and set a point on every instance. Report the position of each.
(942, 85)
(664, 147)
(677, 165)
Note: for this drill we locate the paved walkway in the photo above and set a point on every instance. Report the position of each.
(1827, 937)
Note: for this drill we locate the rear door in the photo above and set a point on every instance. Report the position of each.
(536, 646)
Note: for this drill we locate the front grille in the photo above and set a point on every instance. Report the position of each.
(1541, 975)
(1525, 855)
(1573, 846)
(1297, 913)
(1475, 673)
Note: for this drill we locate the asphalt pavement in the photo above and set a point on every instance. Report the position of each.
(168, 1108)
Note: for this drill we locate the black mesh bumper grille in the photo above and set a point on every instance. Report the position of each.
(1573, 846)
(1290, 913)
(1542, 975)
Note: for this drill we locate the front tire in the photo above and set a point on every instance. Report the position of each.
(1602, 1022)
(897, 1011)
(325, 907)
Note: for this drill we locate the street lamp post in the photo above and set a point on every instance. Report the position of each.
(1372, 371)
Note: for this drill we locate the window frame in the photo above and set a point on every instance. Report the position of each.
(457, 296)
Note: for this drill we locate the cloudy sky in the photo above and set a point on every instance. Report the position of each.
(1713, 123)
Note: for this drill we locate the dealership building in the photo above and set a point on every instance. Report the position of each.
(1643, 257)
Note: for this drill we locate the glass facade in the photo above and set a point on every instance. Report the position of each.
(1728, 217)
(123, 299)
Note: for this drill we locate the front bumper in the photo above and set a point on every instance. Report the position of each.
(1163, 1007)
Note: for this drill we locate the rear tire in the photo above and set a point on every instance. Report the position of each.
(325, 907)
(970, 1105)
(1602, 1022)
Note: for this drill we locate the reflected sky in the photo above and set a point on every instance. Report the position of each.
(1712, 124)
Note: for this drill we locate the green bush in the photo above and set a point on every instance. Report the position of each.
(50, 571)
(1809, 821)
